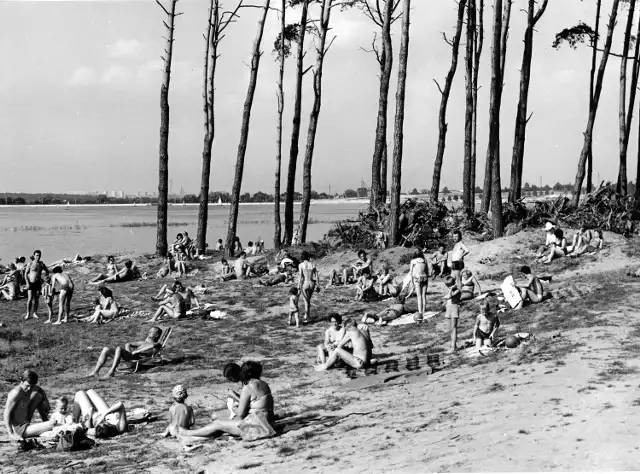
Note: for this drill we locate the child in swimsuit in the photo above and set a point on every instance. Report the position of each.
(180, 414)
(293, 306)
(486, 326)
(419, 276)
(452, 309)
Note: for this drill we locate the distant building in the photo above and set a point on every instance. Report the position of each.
(121, 194)
(113, 194)
(146, 194)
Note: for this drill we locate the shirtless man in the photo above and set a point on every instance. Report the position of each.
(65, 295)
(33, 276)
(22, 402)
(458, 253)
(394, 311)
(131, 352)
(533, 291)
(307, 282)
(125, 274)
(243, 268)
(361, 349)
(332, 336)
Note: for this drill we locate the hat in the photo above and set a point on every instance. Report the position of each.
(548, 226)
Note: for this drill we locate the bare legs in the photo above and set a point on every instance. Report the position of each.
(64, 305)
(36, 402)
(453, 325)
(217, 428)
(335, 356)
(162, 310)
(421, 293)
(33, 298)
(117, 355)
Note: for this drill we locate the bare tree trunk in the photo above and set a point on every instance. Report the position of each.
(621, 187)
(321, 51)
(479, 41)
(493, 148)
(468, 111)
(386, 65)
(244, 131)
(277, 236)
(588, 134)
(383, 172)
(517, 160)
(592, 75)
(398, 137)
(445, 92)
(163, 161)
(295, 131)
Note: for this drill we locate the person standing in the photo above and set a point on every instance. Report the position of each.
(33, 276)
(460, 250)
(307, 282)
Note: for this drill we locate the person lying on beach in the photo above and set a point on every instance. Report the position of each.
(132, 351)
(364, 287)
(180, 414)
(272, 280)
(533, 291)
(10, 285)
(361, 349)
(308, 280)
(112, 270)
(106, 307)
(190, 299)
(487, 324)
(385, 283)
(254, 415)
(286, 261)
(173, 306)
(470, 286)
(33, 276)
(22, 402)
(227, 273)
(385, 316)
(100, 420)
(439, 262)
(65, 289)
(332, 336)
(125, 274)
(557, 249)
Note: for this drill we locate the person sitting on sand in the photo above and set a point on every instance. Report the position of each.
(219, 246)
(533, 291)
(550, 238)
(308, 280)
(418, 269)
(65, 288)
(180, 414)
(190, 299)
(596, 243)
(125, 274)
(112, 270)
(22, 402)
(173, 306)
(132, 351)
(470, 286)
(385, 316)
(557, 249)
(364, 287)
(487, 324)
(100, 419)
(336, 279)
(227, 272)
(237, 246)
(385, 283)
(33, 276)
(581, 240)
(272, 280)
(332, 336)
(361, 349)
(176, 245)
(188, 245)
(106, 307)
(356, 269)
(287, 262)
(243, 268)
(251, 249)
(167, 267)
(255, 417)
(439, 261)
(10, 285)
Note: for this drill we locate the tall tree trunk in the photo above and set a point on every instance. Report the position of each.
(479, 41)
(517, 159)
(493, 148)
(386, 64)
(163, 155)
(621, 187)
(321, 51)
(295, 130)
(398, 136)
(277, 235)
(468, 110)
(209, 72)
(383, 172)
(244, 130)
(592, 76)
(444, 100)
(588, 134)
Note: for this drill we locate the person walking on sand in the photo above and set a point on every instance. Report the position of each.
(66, 293)
(458, 253)
(22, 403)
(307, 282)
(419, 276)
(33, 276)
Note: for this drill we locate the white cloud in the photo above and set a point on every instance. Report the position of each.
(83, 76)
(124, 48)
(116, 74)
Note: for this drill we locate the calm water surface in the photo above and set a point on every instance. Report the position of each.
(65, 231)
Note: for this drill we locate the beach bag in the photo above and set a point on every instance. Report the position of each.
(74, 441)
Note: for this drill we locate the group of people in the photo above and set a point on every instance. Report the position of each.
(585, 240)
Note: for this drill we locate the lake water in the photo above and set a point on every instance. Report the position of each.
(88, 230)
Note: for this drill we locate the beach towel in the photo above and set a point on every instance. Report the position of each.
(408, 318)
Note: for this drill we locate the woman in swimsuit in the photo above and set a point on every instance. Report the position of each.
(254, 415)
(190, 299)
(100, 420)
(558, 249)
(173, 306)
(112, 270)
(470, 285)
(106, 307)
(420, 279)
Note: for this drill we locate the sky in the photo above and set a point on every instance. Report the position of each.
(80, 85)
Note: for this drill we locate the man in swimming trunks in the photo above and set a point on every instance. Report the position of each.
(33, 276)
(458, 253)
(361, 355)
(22, 402)
(243, 269)
(132, 351)
(65, 293)
(307, 282)
(533, 291)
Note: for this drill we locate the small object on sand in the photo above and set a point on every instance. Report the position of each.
(512, 342)
(217, 314)
(188, 449)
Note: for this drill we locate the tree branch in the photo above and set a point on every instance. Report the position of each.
(439, 88)
(163, 8)
(540, 12)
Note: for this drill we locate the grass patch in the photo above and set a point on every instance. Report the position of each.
(496, 387)
(616, 371)
(249, 465)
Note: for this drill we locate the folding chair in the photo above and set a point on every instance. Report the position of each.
(155, 356)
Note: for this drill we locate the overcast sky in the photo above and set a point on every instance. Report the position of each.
(80, 85)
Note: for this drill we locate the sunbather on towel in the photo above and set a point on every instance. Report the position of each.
(132, 351)
(385, 316)
(100, 419)
(188, 295)
(361, 349)
(112, 270)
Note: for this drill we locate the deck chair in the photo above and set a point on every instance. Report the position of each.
(153, 357)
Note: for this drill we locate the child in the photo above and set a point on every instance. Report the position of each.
(385, 284)
(487, 324)
(364, 287)
(452, 306)
(47, 294)
(227, 272)
(439, 262)
(60, 413)
(180, 414)
(219, 246)
(181, 264)
(458, 253)
(232, 373)
(294, 311)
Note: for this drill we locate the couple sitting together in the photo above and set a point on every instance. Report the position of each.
(348, 343)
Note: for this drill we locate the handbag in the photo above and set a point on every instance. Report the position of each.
(74, 441)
